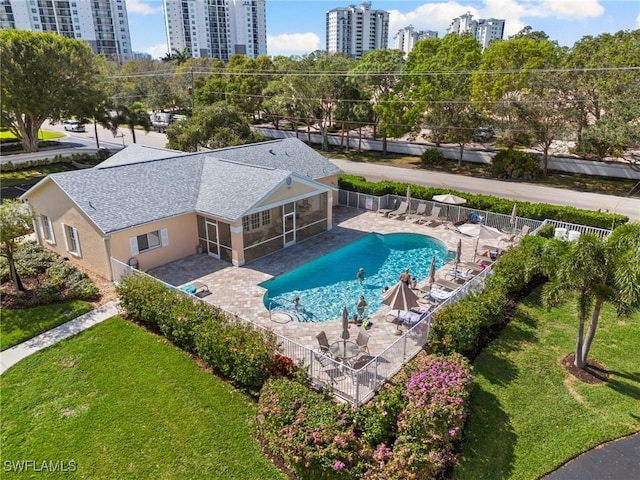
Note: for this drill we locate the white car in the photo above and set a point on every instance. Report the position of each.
(73, 126)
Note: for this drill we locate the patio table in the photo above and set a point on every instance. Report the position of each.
(344, 349)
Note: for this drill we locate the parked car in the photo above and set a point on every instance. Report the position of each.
(73, 126)
(484, 134)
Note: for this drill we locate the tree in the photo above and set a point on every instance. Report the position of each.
(45, 76)
(440, 84)
(519, 85)
(597, 271)
(377, 73)
(16, 220)
(213, 126)
(132, 116)
(177, 57)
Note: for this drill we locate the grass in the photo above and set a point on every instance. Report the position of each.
(32, 175)
(22, 324)
(577, 182)
(42, 135)
(528, 415)
(123, 403)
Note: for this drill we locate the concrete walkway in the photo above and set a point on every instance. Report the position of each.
(13, 355)
(616, 460)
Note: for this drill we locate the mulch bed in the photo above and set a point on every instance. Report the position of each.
(594, 373)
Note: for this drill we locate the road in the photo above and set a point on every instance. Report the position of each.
(511, 190)
(79, 142)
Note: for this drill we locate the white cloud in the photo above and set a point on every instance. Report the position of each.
(638, 21)
(438, 16)
(293, 44)
(158, 50)
(142, 8)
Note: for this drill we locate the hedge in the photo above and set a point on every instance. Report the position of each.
(463, 326)
(235, 350)
(535, 211)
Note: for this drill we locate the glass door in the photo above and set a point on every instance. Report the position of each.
(289, 222)
(213, 246)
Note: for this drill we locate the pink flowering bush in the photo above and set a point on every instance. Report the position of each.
(408, 431)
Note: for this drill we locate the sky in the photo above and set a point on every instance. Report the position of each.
(297, 27)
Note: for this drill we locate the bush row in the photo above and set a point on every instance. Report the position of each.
(85, 158)
(536, 211)
(57, 280)
(460, 327)
(410, 430)
(235, 350)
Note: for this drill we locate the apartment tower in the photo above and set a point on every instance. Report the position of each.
(485, 31)
(217, 28)
(407, 37)
(101, 23)
(356, 30)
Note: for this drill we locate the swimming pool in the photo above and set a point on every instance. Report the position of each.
(327, 284)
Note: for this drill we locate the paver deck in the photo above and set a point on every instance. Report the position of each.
(238, 291)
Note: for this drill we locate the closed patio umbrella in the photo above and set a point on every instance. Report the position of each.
(432, 272)
(345, 330)
(345, 324)
(409, 198)
(514, 215)
(458, 253)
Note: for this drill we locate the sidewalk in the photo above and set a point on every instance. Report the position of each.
(616, 460)
(13, 355)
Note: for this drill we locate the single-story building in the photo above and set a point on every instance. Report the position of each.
(148, 206)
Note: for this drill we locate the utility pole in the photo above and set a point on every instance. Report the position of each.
(193, 94)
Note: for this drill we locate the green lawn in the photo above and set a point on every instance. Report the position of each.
(528, 416)
(123, 403)
(19, 325)
(33, 174)
(42, 135)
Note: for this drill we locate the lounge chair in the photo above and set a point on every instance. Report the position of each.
(522, 233)
(432, 217)
(420, 213)
(323, 342)
(401, 211)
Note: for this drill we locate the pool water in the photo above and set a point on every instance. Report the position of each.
(328, 284)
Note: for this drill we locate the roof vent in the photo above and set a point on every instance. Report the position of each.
(272, 152)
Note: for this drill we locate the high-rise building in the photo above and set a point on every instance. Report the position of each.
(101, 23)
(407, 37)
(356, 30)
(217, 28)
(485, 31)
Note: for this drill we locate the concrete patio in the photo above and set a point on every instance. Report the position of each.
(237, 290)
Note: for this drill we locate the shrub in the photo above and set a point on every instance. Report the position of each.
(432, 157)
(409, 430)
(237, 351)
(513, 164)
(547, 231)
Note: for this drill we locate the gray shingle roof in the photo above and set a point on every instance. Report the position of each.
(287, 154)
(144, 184)
(137, 153)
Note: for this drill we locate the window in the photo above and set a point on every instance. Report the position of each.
(47, 229)
(256, 220)
(149, 241)
(72, 240)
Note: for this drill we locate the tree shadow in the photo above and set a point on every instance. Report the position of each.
(630, 389)
(487, 450)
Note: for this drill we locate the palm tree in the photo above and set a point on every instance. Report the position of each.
(598, 271)
(132, 116)
(177, 57)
